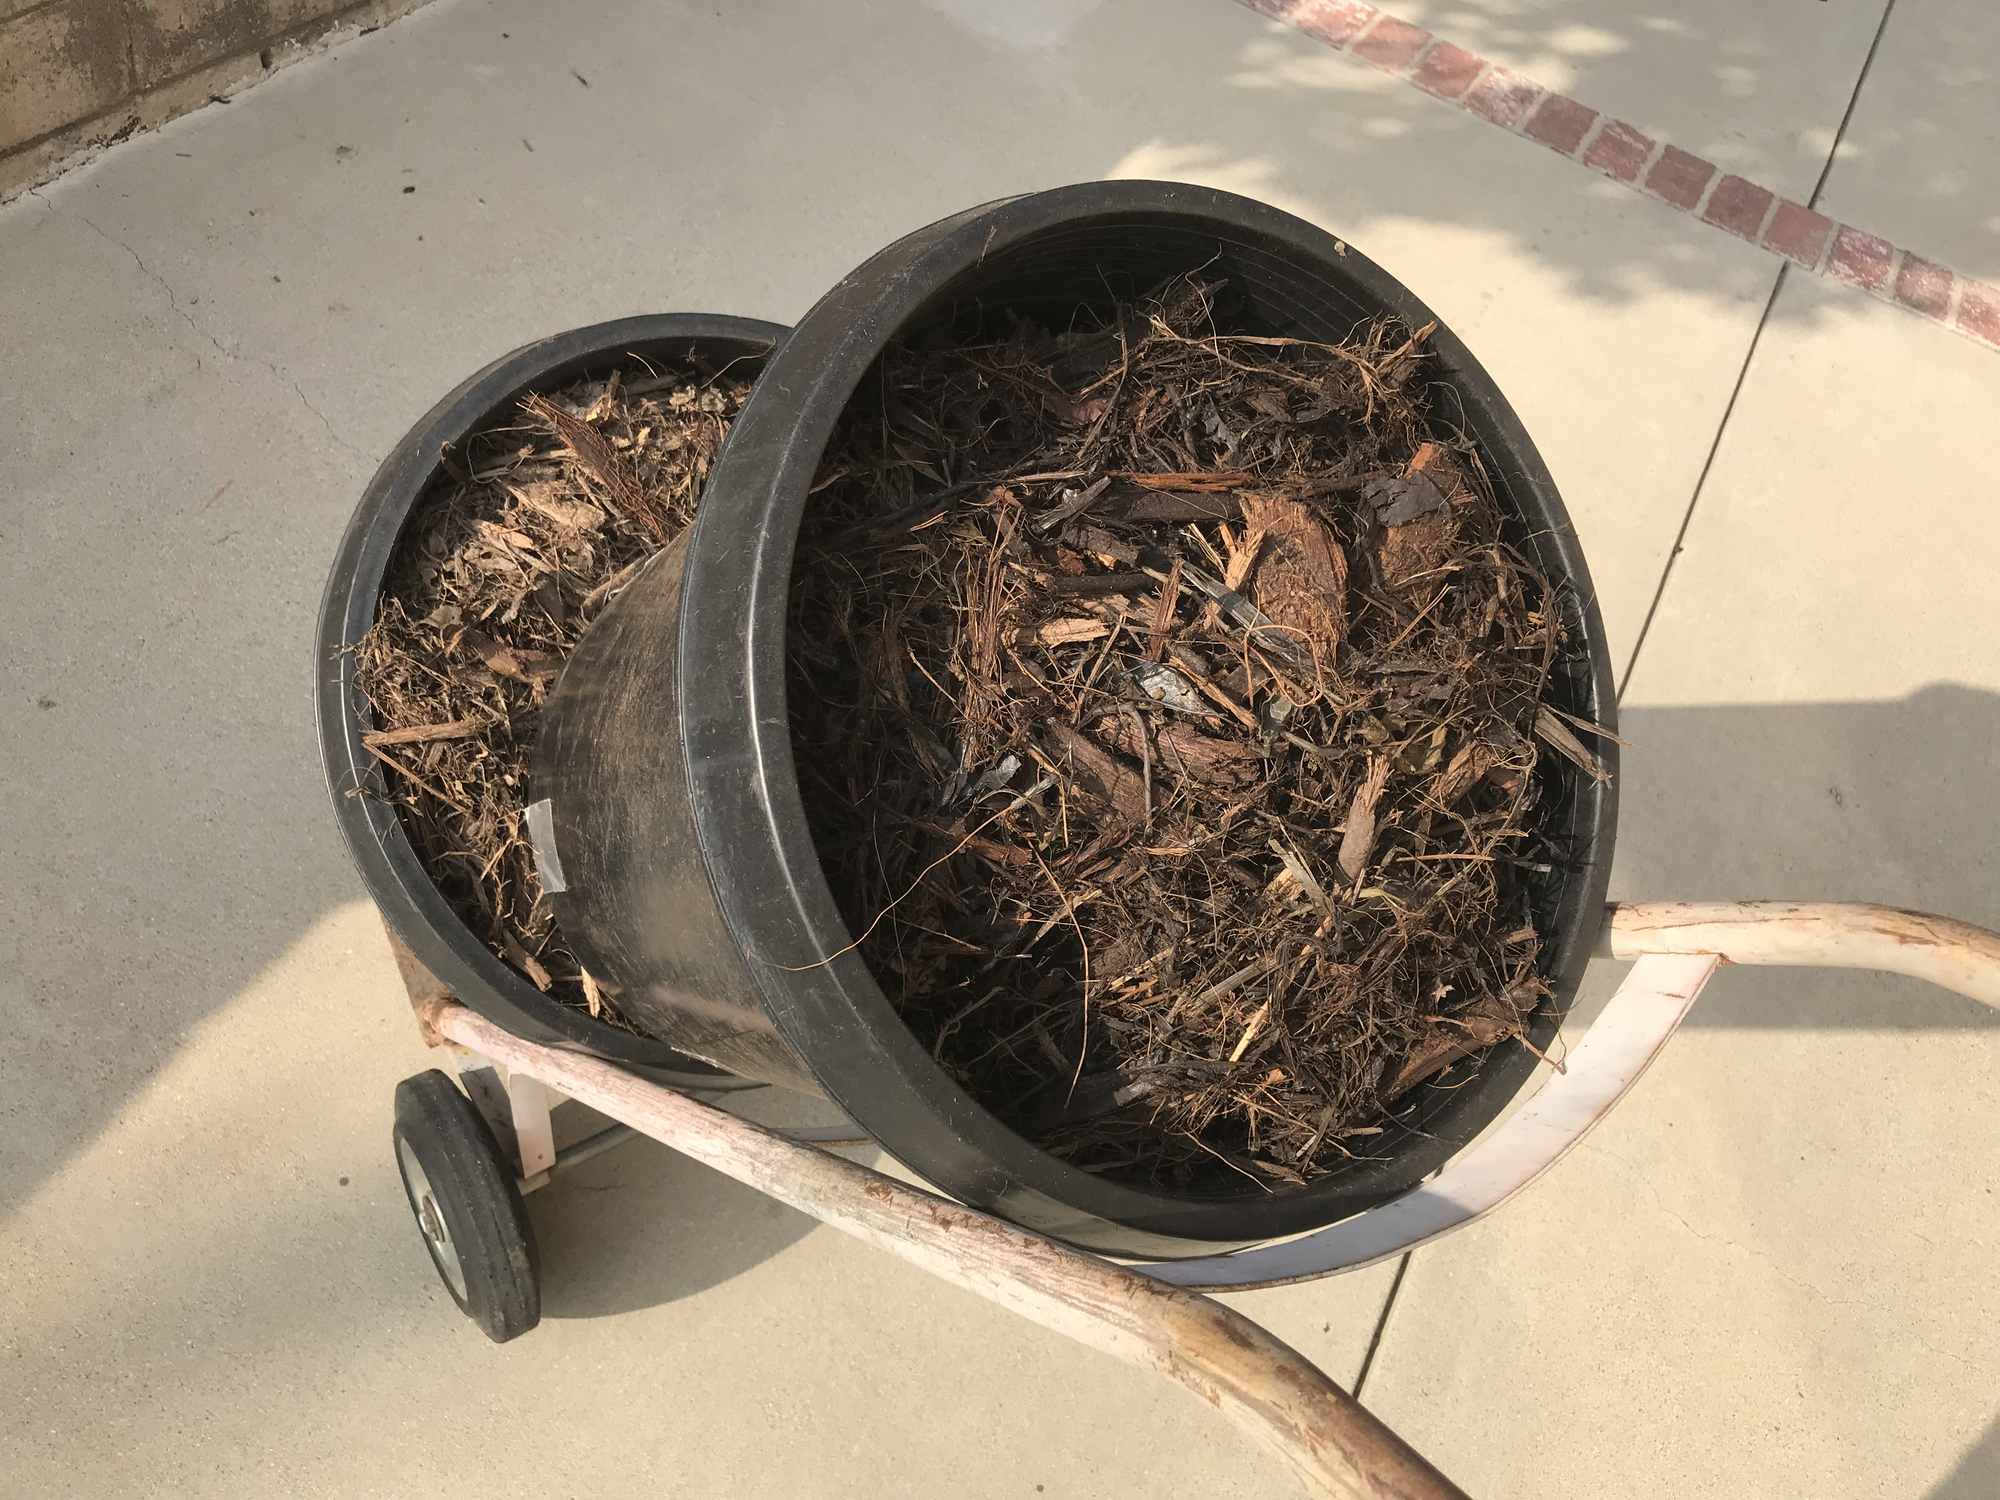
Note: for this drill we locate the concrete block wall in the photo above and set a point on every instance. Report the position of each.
(79, 74)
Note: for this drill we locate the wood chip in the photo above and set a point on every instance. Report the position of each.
(1099, 772)
(1163, 612)
(1197, 479)
(1300, 577)
(526, 962)
(1357, 843)
(596, 456)
(503, 661)
(1096, 583)
(1069, 632)
(1250, 1029)
(1300, 874)
(1107, 547)
(1168, 505)
(1466, 769)
(1557, 736)
(577, 515)
(419, 734)
(505, 535)
(1399, 501)
(1477, 1027)
(1415, 548)
(1182, 749)
(1242, 558)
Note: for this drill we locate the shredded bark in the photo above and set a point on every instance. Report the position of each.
(1166, 705)
(523, 539)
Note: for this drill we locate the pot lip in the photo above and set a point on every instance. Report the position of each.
(750, 819)
(395, 878)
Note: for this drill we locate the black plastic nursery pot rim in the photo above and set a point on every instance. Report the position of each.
(408, 899)
(1050, 252)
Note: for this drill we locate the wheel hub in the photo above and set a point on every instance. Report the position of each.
(430, 1219)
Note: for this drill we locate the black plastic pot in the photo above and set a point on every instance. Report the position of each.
(692, 877)
(375, 837)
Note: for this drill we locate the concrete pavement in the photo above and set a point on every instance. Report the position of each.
(1759, 90)
(1789, 1222)
(1924, 144)
(210, 336)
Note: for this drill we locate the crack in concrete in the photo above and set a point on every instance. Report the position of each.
(1812, 1290)
(174, 301)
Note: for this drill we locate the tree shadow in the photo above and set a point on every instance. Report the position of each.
(1761, 92)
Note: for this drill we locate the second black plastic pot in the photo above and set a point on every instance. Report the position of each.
(698, 343)
(691, 871)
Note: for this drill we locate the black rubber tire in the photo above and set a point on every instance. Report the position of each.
(478, 1226)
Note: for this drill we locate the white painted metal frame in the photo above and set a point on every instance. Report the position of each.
(1943, 951)
(520, 1110)
(1152, 1314)
(1598, 1071)
(1264, 1386)
(1676, 947)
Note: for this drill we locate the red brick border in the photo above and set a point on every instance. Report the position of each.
(1860, 259)
(1560, 123)
(1739, 207)
(1627, 154)
(1680, 178)
(1800, 233)
(1620, 150)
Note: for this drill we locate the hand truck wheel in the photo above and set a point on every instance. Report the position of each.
(467, 1206)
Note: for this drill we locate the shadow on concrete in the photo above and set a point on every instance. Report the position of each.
(643, 1225)
(1891, 802)
(1977, 1476)
(1749, 88)
(1743, 75)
